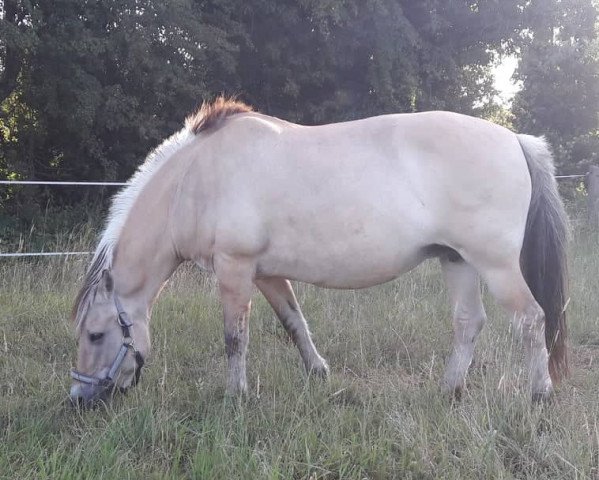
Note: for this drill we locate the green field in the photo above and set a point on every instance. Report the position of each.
(381, 415)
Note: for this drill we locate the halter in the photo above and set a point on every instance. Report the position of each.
(108, 381)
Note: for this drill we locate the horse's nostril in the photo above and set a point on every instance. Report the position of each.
(77, 399)
(81, 402)
(84, 396)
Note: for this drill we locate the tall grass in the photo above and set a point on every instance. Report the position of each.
(381, 415)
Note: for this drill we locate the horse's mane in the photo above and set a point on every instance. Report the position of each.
(102, 260)
(212, 114)
(117, 215)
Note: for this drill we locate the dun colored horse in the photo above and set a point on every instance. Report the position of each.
(261, 201)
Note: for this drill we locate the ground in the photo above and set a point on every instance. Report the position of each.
(381, 415)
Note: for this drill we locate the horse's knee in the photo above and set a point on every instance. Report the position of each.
(478, 322)
(468, 325)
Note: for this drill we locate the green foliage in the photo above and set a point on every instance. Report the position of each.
(559, 70)
(319, 62)
(108, 79)
(99, 84)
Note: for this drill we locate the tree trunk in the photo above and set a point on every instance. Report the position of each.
(592, 184)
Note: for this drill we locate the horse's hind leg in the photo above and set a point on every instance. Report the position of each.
(508, 286)
(468, 319)
(280, 295)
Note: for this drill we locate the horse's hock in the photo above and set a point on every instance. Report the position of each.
(592, 183)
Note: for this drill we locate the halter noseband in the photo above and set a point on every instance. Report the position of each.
(108, 381)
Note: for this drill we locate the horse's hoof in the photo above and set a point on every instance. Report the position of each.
(454, 392)
(543, 398)
(457, 393)
(319, 371)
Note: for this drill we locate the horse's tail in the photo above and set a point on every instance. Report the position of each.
(543, 257)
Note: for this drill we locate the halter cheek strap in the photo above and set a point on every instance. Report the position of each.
(108, 381)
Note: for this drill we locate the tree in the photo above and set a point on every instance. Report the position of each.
(331, 60)
(100, 83)
(559, 71)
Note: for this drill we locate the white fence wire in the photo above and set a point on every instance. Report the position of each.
(43, 254)
(581, 175)
(35, 182)
(108, 184)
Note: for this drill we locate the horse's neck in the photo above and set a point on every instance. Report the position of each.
(144, 257)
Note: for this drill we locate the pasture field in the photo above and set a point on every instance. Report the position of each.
(380, 416)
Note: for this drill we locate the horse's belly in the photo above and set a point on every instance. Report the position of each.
(350, 266)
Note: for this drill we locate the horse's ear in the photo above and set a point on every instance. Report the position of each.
(107, 281)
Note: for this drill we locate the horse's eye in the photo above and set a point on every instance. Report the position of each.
(95, 337)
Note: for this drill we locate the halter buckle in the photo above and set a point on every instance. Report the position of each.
(123, 320)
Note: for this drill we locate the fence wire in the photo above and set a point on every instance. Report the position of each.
(36, 182)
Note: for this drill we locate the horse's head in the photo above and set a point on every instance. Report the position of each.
(112, 344)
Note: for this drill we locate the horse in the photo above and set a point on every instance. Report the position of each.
(259, 201)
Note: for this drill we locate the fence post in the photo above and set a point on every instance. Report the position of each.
(592, 184)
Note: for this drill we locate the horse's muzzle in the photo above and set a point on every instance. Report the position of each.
(84, 395)
(90, 394)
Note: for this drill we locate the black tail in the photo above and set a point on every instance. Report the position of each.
(543, 258)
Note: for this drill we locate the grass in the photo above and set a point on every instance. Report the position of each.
(380, 416)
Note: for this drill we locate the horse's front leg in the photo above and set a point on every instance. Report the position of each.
(235, 286)
(279, 293)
